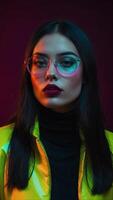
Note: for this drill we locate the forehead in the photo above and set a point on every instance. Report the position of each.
(53, 44)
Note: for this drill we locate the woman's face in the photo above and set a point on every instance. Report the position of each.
(51, 89)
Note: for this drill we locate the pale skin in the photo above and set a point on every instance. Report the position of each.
(52, 45)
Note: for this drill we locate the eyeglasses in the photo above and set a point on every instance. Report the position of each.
(65, 66)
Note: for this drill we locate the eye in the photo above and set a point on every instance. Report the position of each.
(40, 63)
(67, 62)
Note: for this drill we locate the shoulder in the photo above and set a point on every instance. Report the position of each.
(109, 136)
(5, 136)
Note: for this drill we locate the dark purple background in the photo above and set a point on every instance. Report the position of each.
(18, 19)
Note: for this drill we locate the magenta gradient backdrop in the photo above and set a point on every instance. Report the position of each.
(18, 19)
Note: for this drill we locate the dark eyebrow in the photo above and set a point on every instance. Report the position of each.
(40, 54)
(67, 53)
(59, 54)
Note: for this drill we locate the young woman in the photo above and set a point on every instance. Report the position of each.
(57, 148)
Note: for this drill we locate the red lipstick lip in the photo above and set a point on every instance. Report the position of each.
(52, 87)
(52, 90)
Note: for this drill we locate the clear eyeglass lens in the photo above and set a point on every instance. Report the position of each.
(38, 65)
(67, 65)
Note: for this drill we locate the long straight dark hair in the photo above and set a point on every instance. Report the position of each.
(22, 144)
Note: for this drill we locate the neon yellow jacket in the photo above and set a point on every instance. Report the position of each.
(39, 187)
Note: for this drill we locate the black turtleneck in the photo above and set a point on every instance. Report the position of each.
(60, 137)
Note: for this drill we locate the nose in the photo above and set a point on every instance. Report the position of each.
(51, 72)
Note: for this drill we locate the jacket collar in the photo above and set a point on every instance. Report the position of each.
(36, 132)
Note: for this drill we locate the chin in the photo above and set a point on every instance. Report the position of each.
(58, 108)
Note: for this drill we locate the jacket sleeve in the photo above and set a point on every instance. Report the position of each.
(2, 167)
(5, 135)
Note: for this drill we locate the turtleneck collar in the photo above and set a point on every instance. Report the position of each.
(58, 128)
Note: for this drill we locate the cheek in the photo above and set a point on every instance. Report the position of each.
(36, 86)
(75, 84)
(74, 90)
